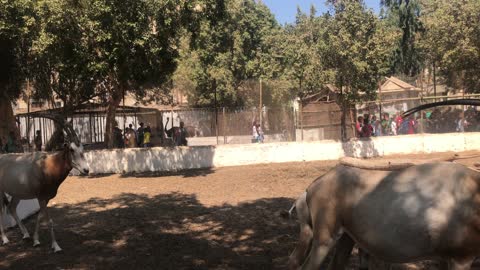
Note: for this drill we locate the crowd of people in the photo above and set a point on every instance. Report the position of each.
(142, 136)
(436, 121)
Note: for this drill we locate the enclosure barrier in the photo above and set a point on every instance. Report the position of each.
(182, 158)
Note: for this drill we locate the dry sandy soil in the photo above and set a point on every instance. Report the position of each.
(225, 218)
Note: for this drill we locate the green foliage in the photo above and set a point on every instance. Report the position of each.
(359, 50)
(104, 48)
(303, 47)
(60, 55)
(16, 18)
(452, 41)
(229, 54)
(406, 13)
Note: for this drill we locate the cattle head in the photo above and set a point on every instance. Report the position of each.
(76, 157)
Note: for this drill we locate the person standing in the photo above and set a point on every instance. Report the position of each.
(140, 135)
(260, 137)
(38, 141)
(181, 135)
(146, 137)
(393, 126)
(367, 129)
(359, 125)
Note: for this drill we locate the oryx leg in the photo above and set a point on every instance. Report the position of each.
(44, 212)
(343, 249)
(36, 242)
(301, 250)
(2, 213)
(460, 264)
(12, 208)
(306, 233)
(324, 234)
(363, 258)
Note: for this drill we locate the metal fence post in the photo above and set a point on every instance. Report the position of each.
(301, 120)
(224, 126)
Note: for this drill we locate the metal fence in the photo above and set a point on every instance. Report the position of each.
(279, 124)
(204, 126)
(232, 126)
(385, 117)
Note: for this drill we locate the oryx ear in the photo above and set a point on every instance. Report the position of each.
(67, 147)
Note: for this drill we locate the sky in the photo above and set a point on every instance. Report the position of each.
(285, 10)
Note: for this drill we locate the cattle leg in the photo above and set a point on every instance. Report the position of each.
(12, 207)
(343, 249)
(2, 212)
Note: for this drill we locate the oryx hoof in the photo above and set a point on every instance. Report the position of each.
(5, 240)
(56, 248)
(26, 236)
(36, 243)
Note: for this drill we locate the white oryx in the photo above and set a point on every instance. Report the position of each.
(429, 211)
(37, 175)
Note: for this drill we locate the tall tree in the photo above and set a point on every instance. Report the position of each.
(406, 14)
(61, 64)
(16, 18)
(358, 53)
(135, 44)
(302, 47)
(452, 41)
(227, 55)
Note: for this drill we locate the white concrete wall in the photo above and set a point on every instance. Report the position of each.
(171, 159)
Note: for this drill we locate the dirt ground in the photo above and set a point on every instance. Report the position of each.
(224, 218)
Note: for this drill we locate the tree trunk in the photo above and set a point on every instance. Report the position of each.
(8, 120)
(343, 122)
(113, 103)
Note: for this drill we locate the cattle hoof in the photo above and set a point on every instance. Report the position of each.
(36, 243)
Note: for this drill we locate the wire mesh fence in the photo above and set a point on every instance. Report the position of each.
(306, 122)
(385, 118)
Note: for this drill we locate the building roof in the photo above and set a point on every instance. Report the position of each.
(394, 84)
(91, 108)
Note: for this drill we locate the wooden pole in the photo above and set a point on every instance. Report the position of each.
(28, 114)
(380, 101)
(224, 127)
(215, 105)
(434, 81)
(301, 119)
(260, 104)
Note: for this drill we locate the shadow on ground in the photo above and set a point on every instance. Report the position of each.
(185, 173)
(172, 231)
